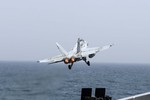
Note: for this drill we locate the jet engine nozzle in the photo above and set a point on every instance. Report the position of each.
(72, 60)
(66, 61)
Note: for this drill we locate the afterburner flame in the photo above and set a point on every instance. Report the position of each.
(72, 59)
(66, 61)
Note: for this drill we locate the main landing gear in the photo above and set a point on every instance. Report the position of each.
(88, 63)
(70, 66)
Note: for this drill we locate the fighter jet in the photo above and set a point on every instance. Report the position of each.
(78, 53)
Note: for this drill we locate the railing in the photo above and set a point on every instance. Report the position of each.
(144, 96)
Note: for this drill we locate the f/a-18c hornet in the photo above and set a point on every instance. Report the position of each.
(78, 53)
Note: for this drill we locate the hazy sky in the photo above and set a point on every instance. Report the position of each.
(30, 28)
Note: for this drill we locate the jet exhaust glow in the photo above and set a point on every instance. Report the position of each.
(71, 60)
(66, 61)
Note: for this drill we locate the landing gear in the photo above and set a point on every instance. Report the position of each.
(70, 66)
(88, 63)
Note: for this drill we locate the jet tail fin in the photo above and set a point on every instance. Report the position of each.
(78, 46)
(61, 49)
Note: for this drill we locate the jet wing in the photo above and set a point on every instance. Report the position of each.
(92, 51)
(52, 60)
(105, 47)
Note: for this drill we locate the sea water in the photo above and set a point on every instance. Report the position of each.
(34, 81)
